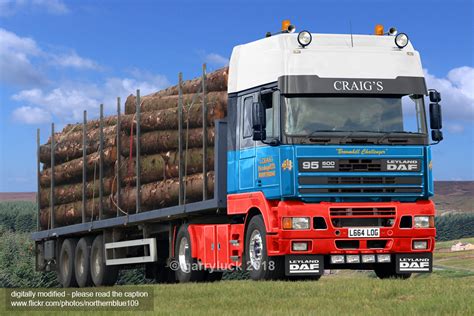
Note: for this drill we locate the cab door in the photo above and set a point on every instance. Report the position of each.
(268, 157)
(246, 169)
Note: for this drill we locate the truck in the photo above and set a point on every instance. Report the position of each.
(322, 162)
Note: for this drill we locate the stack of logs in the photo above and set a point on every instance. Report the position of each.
(159, 158)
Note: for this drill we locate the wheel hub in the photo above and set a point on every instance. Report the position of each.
(184, 255)
(256, 249)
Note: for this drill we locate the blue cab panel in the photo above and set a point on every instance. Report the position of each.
(334, 173)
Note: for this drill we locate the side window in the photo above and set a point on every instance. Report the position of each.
(272, 114)
(269, 117)
(247, 117)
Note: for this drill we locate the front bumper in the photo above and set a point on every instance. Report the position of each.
(392, 239)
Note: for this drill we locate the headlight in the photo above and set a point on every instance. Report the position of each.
(304, 38)
(295, 223)
(401, 40)
(420, 244)
(422, 221)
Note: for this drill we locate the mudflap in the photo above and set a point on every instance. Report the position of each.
(304, 265)
(414, 262)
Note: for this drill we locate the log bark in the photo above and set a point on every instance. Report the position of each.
(68, 150)
(155, 195)
(216, 81)
(92, 124)
(154, 103)
(167, 119)
(71, 213)
(73, 192)
(73, 169)
(164, 193)
(162, 141)
(76, 135)
(164, 166)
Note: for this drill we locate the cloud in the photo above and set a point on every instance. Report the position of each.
(67, 102)
(22, 60)
(74, 61)
(15, 60)
(216, 60)
(31, 115)
(52, 6)
(457, 94)
(455, 128)
(12, 7)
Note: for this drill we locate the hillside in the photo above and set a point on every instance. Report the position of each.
(17, 196)
(454, 196)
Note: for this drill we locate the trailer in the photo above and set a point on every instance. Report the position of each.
(323, 161)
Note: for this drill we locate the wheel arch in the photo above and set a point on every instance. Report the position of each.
(250, 205)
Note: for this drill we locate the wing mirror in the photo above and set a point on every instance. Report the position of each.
(259, 122)
(436, 121)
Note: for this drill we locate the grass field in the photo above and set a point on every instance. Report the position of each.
(333, 295)
(448, 291)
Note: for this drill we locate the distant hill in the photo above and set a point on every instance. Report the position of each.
(18, 196)
(454, 196)
(450, 196)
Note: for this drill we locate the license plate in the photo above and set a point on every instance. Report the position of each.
(364, 232)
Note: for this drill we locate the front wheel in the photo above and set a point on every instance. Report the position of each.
(388, 271)
(256, 259)
(187, 268)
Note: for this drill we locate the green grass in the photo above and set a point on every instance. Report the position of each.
(333, 295)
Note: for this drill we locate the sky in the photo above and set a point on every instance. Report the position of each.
(59, 57)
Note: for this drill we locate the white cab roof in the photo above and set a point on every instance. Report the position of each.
(328, 56)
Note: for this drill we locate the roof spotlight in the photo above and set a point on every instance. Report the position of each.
(392, 31)
(304, 38)
(287, 27)
(291, 28)
(401, 40)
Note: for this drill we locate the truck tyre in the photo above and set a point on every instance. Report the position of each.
(163, 274)
(304, 278)
(213, 276)
(66, 274)
(81, 262)
(101, 274)
(256, 260)
(388, 271)
(187, 268)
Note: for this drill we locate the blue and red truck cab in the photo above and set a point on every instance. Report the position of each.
(328, 158)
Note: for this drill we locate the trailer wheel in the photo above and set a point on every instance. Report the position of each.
(388, 271)
(187, 268)
(256, 260)
(66, 274)
(101, 274)
(81, 263)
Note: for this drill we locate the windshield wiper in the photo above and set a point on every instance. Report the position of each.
(353, 132)
(393, 133)
(324, 131)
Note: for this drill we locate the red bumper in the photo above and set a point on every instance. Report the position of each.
(331, 240)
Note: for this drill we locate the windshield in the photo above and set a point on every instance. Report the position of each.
(308, 115)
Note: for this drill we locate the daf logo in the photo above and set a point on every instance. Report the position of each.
(402, 165)
(304, 267)
(358, 85)
(414, 265)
